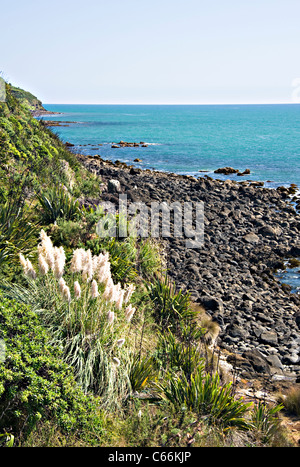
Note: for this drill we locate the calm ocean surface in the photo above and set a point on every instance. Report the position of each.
(185, 138)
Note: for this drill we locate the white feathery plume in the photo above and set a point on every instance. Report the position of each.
(128, 293)
(77, 289)
(116, 361)
(116, 292)
(59, 261)
(108, 293)
(66, 293)
(119, 301)
(62, 284)
(27, 267)
(77, 260)
(94, 289)
(129, 312)
(30, 272)
(23, 262)
(110, 317)
(95, 263)
(46, 248)
(43, 265)
(120, 342)
(103, 269)
(87, 271)
(102, 259)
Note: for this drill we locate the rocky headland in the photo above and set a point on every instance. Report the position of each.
(249, 231)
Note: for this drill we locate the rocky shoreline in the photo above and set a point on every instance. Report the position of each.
(249, 232)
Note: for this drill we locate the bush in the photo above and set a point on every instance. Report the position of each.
(17, 231)
(35, 384)
(58, 203)
(174, 354)
(204, 395)
(265, 420)
(171, 307)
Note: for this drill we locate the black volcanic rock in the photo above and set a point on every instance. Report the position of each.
(249, 231)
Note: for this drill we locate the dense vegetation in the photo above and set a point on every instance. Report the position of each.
(98, 348)
(27, 99)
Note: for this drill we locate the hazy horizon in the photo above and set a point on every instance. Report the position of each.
(175, 104)
(161, 52)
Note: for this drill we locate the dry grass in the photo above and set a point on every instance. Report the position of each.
(291, 401)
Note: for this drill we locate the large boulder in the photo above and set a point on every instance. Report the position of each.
(251, 237)
(114, 186)
(256, 359)
(226, 171)
(268, 231)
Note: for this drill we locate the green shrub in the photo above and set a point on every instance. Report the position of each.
(57, 203)
(35, 384)
(174, 354)
(18, 232)
(27, 143)
(170, 306)
(265, 420)
(204, 395)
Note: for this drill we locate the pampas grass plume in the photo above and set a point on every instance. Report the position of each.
(77, 289)
(94, 289)
(43, 265)
(129, 312)
(66, 293)
(110, 317)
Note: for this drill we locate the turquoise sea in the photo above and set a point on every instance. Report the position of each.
(188, 138)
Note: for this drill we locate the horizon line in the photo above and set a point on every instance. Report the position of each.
(168, 103)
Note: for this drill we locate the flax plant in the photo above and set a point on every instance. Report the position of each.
(87, 314)
(203, 394)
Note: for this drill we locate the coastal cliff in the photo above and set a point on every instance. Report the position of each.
(27, 99)
(31, 102)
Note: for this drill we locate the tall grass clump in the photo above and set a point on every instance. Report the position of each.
(204, 395)
(18, 232)
(87, 314)
(171, 307)
(265, 420)
(291, 401)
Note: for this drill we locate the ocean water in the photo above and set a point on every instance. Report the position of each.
(187, 139)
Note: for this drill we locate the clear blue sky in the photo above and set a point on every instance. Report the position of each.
(152, 51)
